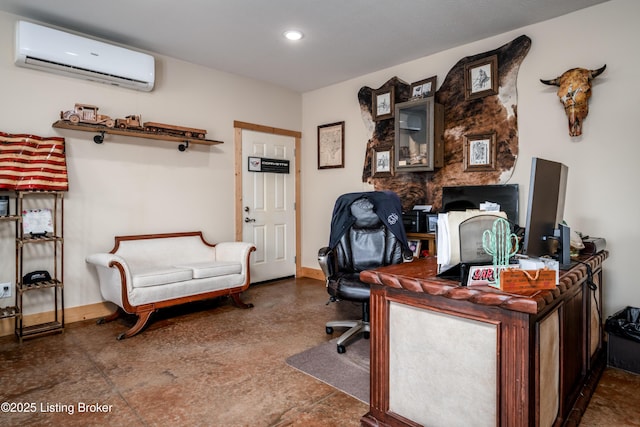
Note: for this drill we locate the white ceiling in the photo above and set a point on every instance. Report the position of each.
(343, 38)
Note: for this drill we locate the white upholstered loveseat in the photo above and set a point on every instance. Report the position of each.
(144, 273)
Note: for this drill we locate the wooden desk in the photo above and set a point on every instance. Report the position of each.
(446, 355)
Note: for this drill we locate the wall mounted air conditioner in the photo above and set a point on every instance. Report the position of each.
(58, 52)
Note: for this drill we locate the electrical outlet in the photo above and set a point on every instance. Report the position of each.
(5, 290)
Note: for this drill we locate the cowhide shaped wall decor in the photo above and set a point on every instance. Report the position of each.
(494, 114)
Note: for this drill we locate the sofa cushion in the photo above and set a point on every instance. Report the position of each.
(160, 276)
(202, 270)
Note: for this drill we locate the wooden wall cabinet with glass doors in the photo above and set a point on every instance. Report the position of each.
(419, 135)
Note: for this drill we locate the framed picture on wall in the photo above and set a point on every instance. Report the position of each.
(331, 145)
(424, 88)
(481, 78)
(383, 104)
(480, 152)
(381, 162)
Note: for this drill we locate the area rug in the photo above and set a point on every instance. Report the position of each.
(348, 372)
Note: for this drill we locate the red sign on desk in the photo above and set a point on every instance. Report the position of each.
(481, 275)
(512, 279)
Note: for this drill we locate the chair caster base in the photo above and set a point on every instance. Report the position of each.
(341, 349)
(329, 330)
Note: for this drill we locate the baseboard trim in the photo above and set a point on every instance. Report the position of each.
(312, 273)
(71, 315)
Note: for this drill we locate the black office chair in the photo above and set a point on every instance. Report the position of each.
(366, 233)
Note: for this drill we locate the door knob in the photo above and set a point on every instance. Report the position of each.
(249, 220)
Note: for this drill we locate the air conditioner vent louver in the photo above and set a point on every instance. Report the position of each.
(72, 69)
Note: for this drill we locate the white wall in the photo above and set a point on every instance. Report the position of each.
(131, 185)
(603, 163)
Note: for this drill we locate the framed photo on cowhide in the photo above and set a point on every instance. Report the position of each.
(331, 145)
(480, 152)
(424, 88)
(383, 103)
(381, 162)
(415, 246)
(481, 78)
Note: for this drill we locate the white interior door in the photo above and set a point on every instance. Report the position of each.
(268, 206)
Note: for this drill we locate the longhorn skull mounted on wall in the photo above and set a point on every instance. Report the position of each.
(574, 90)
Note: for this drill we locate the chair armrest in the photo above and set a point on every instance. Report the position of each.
(233, 251)
(108, 267)
(104, 259)
(326, 261)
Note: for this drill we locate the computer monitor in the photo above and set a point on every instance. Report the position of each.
(544, 233)
(470, 196)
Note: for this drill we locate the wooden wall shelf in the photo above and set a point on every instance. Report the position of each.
(184, 142)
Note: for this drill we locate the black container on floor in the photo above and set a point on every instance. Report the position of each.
(623, 330)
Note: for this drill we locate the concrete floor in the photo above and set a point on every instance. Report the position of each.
(211, 364)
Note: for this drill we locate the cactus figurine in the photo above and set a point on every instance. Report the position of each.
(500, 243)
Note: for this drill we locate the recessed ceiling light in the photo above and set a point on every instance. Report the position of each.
(293, 35)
